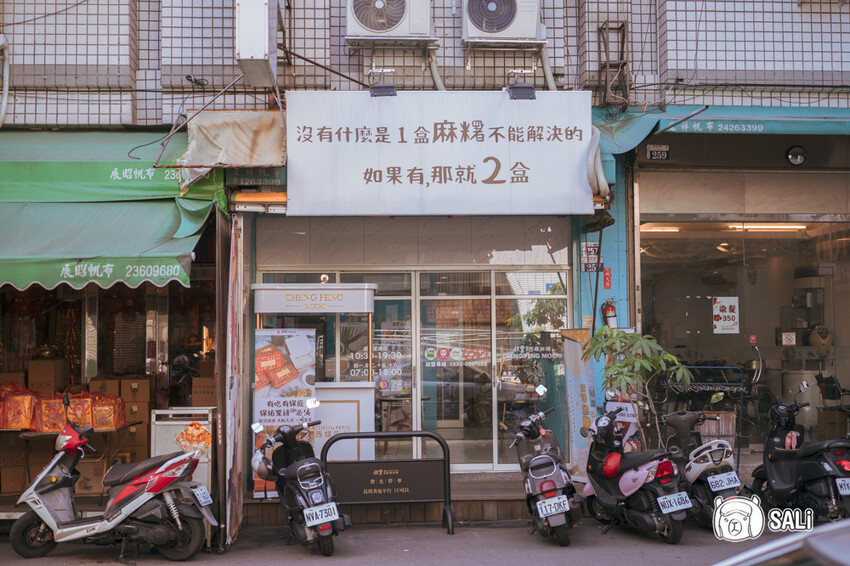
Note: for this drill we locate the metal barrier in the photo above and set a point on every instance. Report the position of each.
(394, 481)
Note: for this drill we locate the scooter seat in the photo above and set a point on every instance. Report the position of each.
(631, 460)
(810, 449)
(122, 473)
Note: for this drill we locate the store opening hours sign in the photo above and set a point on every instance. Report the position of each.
(437, 153)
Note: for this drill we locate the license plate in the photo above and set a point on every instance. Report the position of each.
(674, 502)
(203, 495)
(723, 481)
(553, 506)
(321, 514)
(843, 485)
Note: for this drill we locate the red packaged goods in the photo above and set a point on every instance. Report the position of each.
(268, 361)
(281, 376)
(50, 415)
(107, 412)
(2, 412)
(80, 409)
(261, 381)
(20, 409)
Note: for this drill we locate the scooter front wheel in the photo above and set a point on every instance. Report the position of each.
(30, 537)
(326, 545)
(189, 540)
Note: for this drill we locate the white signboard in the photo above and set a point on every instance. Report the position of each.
(314, 299)
(726, 319)
(420, 153)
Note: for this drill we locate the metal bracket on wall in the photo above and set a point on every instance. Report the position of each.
(613, 68)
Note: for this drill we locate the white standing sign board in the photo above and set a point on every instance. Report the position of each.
(423, 153)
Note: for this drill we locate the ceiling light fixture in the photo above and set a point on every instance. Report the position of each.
(659, 229)
(769, 227)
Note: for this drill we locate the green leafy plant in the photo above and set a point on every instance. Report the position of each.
(636, 362)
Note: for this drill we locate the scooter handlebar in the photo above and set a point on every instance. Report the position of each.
(801, 405)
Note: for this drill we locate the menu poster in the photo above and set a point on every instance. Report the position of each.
(284, 374)
(392, 350)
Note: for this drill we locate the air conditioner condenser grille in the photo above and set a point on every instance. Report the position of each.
(379, 15)
(491, 15)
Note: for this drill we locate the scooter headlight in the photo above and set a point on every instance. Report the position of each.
(317, 497)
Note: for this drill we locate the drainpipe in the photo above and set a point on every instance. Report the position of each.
(435, 72)
(4, 50)
(547, 69)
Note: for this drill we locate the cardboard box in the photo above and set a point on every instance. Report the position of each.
(137, 412)
(12, 450)
(42, 451)
(203, 392)
(105, 387)
(206, 368)
(12, 479)
(14, 377)
(48, 376)
(137, 437)
(137, 389)
(91, 477)
(831, 424)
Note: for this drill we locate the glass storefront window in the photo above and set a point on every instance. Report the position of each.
(388, 283)
(456, 382)
(529, 353)
(530, 283)
(454, 283)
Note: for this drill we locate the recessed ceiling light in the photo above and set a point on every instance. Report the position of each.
(769, 227)
(659, 229)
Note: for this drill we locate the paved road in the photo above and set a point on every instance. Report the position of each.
(497, 544)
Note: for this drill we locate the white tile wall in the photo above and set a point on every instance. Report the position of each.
(111, 62)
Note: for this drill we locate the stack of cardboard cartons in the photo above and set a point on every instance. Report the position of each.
(136, 393)
(203, 386)
(12, 463)
(48, 376)
(14, 377)
(91, 476)
(105, 386)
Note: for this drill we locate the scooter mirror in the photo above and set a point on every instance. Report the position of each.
(804, 386)
(584, 432)
(312, 403)
(540, 390)
(257, 428)
(610, 396)
(717, 397)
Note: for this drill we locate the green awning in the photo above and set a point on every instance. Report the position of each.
(99, 242)
(96, 167)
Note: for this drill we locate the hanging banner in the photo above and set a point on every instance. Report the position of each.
(417, 153)
(581, 399)
(234, 364)
(284, 377)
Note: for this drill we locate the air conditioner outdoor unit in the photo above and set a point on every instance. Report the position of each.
(392, 22)
(502, 22)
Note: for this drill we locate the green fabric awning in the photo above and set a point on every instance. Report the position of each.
(96, 167)
(99, 242)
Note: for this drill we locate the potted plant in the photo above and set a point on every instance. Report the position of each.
(635, 362)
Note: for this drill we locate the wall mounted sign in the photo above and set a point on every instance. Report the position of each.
(725, 315)
(314, 299)
(470, 152)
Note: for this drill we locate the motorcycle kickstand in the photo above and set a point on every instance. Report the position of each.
(609, 526)
(123, 559)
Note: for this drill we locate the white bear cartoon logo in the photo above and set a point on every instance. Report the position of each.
(738, 518)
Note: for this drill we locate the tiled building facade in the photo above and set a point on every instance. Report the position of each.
(126, 62)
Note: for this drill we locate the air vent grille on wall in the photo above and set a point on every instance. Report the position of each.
(389, 22)
(502, 22)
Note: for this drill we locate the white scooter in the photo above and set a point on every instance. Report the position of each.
(709, 468)
(152, 501)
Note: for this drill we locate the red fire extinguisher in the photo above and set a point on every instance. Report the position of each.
(609, 313)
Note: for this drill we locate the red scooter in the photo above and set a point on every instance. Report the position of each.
(153, 501)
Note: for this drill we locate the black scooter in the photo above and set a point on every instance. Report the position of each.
(815, 475)
(548, 487)
(709, 468)
(305, 488)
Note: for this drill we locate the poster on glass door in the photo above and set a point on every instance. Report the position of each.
(284, 374)
(725, 316)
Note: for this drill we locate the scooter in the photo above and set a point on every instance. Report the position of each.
(815, 475)
(709, 468)
(548, 487)
(304, 486)
(152, 501)
(639, 489)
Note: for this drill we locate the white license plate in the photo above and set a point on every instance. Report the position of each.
(723, 481)
(553, 506)
(203, 495)
(674, 502)
(843, 485)
(321, 514)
